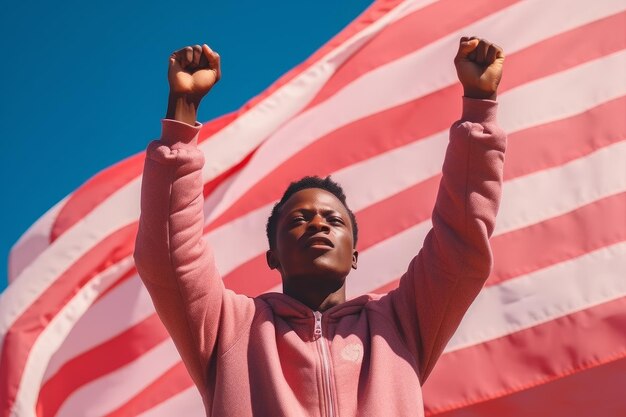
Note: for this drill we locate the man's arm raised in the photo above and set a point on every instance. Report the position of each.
(447, 274)
(171, 257)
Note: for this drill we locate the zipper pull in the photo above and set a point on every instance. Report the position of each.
(317, 332)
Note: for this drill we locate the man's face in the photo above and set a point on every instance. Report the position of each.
(313, 238)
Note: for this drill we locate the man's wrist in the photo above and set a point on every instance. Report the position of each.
(480, 95)
(183, 108)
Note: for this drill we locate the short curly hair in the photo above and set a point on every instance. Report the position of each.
(326, 184)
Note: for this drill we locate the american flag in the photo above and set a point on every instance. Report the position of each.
(546, 337)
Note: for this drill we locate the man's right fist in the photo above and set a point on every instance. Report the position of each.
(192, 71)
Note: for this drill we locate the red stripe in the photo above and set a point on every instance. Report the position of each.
(97, 189)
(597, 391)
(417, 119)
(130, 273)
(570, 138)
(391, 285)
(528, 358)
(558, 239)
(99, 361)
(20, 338)
(386, 48)
(210, 186)
(554, 240)
(566, 50)
(211, 128)
(172, 382)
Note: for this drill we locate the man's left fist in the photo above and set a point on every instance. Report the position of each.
(479, 67)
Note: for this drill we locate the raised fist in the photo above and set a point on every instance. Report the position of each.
(193, 71)
(479, 67)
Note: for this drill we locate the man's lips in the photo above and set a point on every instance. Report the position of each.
(319, 241)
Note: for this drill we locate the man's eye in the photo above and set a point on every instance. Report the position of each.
(335, 219)
(297, 219)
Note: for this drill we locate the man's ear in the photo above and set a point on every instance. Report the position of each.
(355, 257)
(271, 259)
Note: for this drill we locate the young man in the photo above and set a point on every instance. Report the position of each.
(309, 352)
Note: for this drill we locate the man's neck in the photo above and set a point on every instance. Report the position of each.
(316, 297)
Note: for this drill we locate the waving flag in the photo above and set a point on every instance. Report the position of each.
(546, 337)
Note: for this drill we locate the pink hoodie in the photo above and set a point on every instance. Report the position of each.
(272, 355)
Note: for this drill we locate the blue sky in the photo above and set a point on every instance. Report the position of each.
(84, 83)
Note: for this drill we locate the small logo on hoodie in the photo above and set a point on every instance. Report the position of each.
(352, 352)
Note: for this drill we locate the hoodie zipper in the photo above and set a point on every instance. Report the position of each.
(326, 381)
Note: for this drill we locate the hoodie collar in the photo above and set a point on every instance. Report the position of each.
(290, 308)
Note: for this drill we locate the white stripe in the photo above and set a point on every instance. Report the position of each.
(53, 335)
(106, 394)
(406, 166)
(387, 260)
(34, 241)
(390, 85)
(186, 403)
(221, 239)
(599, 81)
(544, 295)
(549, 193)
(123, 307)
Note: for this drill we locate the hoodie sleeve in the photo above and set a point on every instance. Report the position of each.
(173, 260)
(455, 261)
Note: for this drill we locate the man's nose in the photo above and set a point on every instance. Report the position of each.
(318, 223)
